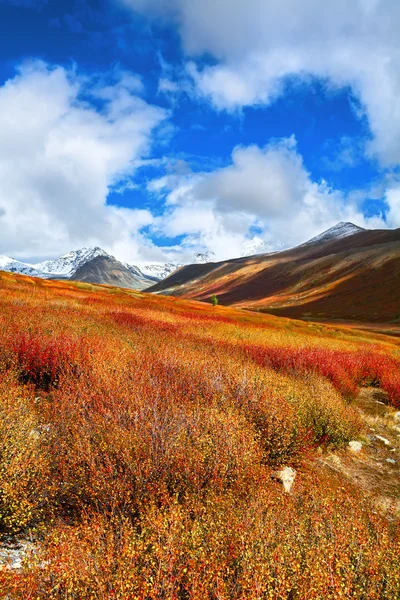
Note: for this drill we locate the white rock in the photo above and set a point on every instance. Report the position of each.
(12, 555)
(286, 476)
(40, 429)
(382, 439)
(336, 460)
(355, 446)
(391, 461)
(397, 416)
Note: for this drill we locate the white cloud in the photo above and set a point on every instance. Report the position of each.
(166, 86)
(257, 43)
(267, 190)
(66, 140)
(393, 202)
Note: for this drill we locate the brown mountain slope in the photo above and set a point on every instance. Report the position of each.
(107, 270)
(356, 278)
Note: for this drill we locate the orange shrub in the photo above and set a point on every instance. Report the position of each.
(138, 435)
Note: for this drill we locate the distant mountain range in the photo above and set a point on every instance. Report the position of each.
(341, 273)
(86, 264)
(160, 271)
(83, 265)
(345, 273)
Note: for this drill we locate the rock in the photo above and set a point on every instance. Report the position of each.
(391, 461)
(355, 446)
(13, 553)
(336, 460)
(397, 416)
(286, 476)
(40, 430)
(382, 439)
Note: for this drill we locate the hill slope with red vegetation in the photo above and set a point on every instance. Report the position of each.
(354, 278)
(139, 439)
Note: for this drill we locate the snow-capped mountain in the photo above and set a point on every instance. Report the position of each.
(16, 266)
(158, 271)
(339, 231)
(204, 257)
(67, 266)
(69, 263)
(256, 246)
(105, 269)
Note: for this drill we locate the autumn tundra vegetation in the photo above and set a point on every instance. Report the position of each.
(138, 439)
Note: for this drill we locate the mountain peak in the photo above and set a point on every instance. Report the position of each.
(67, 264)
(340, 230)
(346, 225)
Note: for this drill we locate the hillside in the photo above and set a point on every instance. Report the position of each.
(145, 442)
(356, 277)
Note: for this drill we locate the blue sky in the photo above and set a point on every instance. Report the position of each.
(157, 129)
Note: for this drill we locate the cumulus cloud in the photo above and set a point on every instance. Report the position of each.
(265, 190)
(66, 141)
(393, 202)
(258, 43)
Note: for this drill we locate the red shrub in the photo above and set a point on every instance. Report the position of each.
(43, 361)
(346, 370)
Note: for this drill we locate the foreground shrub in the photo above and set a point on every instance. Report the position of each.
(25, 487)
(308, 546)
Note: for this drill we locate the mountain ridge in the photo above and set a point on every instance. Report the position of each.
(156, 277)
(66, 265)
(72, 262)
(105, 269)
(351, 277)
(339, 231)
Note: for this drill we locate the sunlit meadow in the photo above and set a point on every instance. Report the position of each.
(138, 435)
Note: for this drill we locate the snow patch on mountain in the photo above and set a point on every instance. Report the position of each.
(256, 246)
(204, 257)
(139, 274)
(338, 231)
(16, 266)
(69, 263)
(158, 271)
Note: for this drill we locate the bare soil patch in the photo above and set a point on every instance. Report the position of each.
(376, 469)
